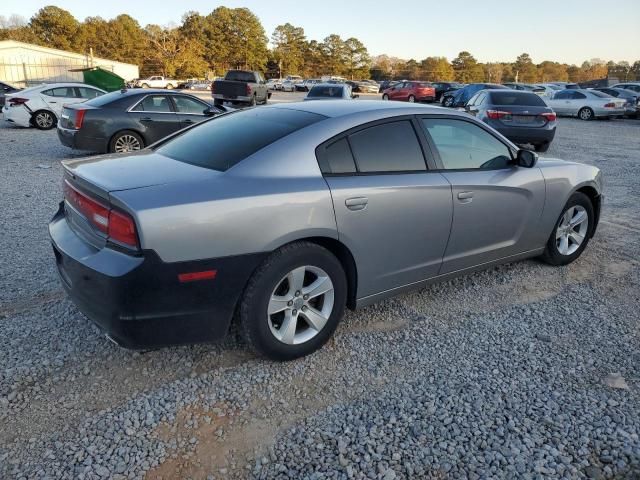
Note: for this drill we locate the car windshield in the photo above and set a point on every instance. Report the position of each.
(326, 91)
(239, 76)
(224, 141)
(517, 98)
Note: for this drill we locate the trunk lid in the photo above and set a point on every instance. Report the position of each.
(110, 173)
(523, 116)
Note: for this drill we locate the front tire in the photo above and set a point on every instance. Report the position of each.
(169, 86)
(385, 97)
(44, 120)
(145, 85)
(412, 99)
(448, 102)
(293, 302)
(572, 231)
(585, 113)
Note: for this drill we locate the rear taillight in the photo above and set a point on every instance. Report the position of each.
(549, 116)
(14, 101)
(610, 105)
(497, 114)
(79, 119)
(248, 90)
(117, 226)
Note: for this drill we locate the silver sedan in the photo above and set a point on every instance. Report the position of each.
(278, 217)
(586, 104)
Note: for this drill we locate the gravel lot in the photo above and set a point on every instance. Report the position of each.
(523, 371)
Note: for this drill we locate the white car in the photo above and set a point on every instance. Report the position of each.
(586, 104)
(288, 86)
(41, 106)
(550, 89)
(274, 84)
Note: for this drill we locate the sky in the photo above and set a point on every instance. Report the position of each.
(568, 31)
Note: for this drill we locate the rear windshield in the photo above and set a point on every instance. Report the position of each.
(600, 94)
(104, 99)
(517, 98)
(326, 91)
(222, 142)
(239, 76)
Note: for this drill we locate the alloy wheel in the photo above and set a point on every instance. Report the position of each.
(44, 120)
(572, 230)
(300, 305)
(586, 114)
(127, 143)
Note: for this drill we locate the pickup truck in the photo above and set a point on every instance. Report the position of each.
(157, 82)
(241, 87)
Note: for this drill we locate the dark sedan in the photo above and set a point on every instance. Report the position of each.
(521, 116)
(458, 98)
(444, 87)
(6, 88)
(129, 120)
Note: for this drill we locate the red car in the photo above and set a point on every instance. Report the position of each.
(411, 92)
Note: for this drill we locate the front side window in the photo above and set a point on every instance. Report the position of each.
(389, 147)
(153, 103)
(578, 95)
(463, 145)
(189, 105)
(84, 92)
(563, 95)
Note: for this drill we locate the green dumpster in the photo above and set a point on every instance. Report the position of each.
(101, 78)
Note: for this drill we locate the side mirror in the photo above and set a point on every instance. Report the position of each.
(209, 112)
(526, 158)
(355, 95)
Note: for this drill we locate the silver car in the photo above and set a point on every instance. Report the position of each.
(586, 104)
(330, 91)
(278, 217)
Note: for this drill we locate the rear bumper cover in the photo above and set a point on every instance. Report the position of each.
(527, 135)
(77, 140)
(138, 301)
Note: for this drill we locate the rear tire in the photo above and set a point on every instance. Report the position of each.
(252, 103)
(542, 147)
(126, 141)
(570, 236)
(44, 120)
(585, 113)
(280, 285)
(385, 97)
(412, 99)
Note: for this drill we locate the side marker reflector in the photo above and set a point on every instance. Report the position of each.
(196, 276)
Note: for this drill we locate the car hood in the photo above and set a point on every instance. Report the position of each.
(117, 172)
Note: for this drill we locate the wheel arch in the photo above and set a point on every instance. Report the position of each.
(138, 132)
(596, 201)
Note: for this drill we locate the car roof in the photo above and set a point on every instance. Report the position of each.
(340, 108)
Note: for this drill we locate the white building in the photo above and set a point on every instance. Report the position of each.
(27, 64)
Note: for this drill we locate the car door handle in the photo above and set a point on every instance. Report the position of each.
(146, 119)
(465, 197)
(356, 203)
(189, 121)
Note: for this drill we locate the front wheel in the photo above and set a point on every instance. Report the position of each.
(412, 99)
(585, 113)
(294, 301)
(145, 85)
(572, 231)
(385, 97)
(448, 102)
(169, 86)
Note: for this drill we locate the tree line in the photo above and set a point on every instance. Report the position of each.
(227, 38)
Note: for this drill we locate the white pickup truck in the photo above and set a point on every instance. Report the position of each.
(157, 82)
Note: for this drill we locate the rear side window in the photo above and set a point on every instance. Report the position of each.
(517, 98)
(153, 103)
(337, 158)
(222, 142)
(390, 147)
(65, 92)
(84, 92)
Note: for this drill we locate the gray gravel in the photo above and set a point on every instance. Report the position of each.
(523, 371)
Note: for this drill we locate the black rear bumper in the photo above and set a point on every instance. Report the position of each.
(138, 301)
(77, 140)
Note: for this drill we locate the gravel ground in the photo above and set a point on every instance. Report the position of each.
(523, 371)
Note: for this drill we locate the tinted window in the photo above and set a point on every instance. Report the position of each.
(333, 91)
(563, 95)
(239, 76)
(226, 140)
(577, 95)
(84, 92)
(517, 98)
(390, 147)
(188, 105)
(66, 92)
(600, 94)
(153, 103)
(465, 145)
(337, 158)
